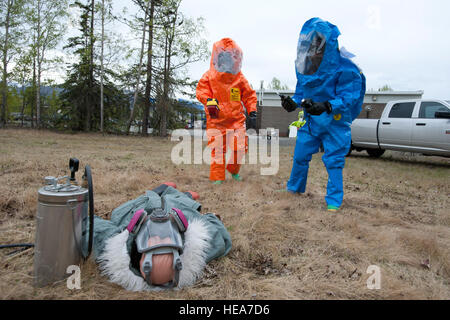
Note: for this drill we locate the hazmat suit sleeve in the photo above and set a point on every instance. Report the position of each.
(298, 96)
(103, 230)
(220, 238)
(204, 91)
(248, 96)
(348, 91)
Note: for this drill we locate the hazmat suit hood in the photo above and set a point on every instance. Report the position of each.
(225, 82)
(226, 60)
(327, 73)
(318, 55)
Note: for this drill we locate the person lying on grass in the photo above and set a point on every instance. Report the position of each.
(159, 241)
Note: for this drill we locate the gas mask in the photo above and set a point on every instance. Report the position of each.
(310, 52)
(227, 60)
(158, 239)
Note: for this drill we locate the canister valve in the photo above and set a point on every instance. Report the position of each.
(74, 163)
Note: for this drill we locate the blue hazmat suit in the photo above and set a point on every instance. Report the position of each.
(325, 73)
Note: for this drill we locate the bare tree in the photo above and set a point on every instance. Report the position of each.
(181, 44)
(91, 67)
(102, 69)
(11, 13)
(139, 71)
(21, 74)
(148, 86)
(168, 42)
(47, 20)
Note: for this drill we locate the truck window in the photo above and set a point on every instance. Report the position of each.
(428, 109)
(402, 110)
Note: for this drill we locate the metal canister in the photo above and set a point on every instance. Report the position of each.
(62, 220)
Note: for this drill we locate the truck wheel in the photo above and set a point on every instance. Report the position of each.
(375, 153)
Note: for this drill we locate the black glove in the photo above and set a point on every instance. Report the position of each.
(252, 117)
(288, 104)
(316, 108)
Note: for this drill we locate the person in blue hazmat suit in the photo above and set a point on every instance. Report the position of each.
(330, 89)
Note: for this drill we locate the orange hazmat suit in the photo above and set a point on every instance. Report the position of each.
(225, 82)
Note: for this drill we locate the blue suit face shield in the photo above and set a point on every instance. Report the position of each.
(310, 52)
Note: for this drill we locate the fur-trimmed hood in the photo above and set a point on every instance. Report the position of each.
(114, 261)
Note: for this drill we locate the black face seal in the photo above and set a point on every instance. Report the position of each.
(310, 52)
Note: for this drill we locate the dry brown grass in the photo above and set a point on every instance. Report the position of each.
(396, 215)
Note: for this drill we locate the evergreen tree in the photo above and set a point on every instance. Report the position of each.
(83, 84)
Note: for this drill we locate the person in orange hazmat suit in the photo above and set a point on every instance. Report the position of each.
(224, 90)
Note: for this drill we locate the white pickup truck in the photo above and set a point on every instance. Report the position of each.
(419, 126)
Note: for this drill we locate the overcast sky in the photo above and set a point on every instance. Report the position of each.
(405, 44)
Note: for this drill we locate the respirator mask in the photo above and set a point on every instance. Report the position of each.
(159, 241)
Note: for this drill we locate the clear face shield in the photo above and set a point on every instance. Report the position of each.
(310, 51)
(227, 60)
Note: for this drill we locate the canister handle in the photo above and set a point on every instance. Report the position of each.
(88, 177)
